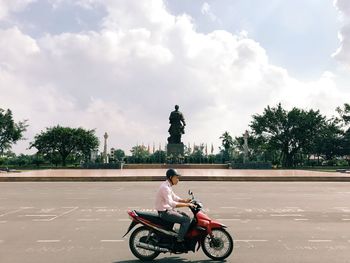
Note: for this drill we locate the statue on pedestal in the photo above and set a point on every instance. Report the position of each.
(177, 126)
(175, 148)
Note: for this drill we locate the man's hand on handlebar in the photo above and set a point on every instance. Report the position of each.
(191, 205)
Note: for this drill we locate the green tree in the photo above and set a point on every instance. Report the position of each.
(198, 156)
(158, 157)
(344, 113)
(345, 146)
(258, 149)
(37, 160)
(86, 142)
(58, 144)
(290, 132)
(344, 120)
(119, 155)
(328, 143)
(10, 132)
(139, 154)
(227, 143)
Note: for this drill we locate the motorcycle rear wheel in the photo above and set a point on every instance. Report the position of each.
(140, 235)
(220, 246)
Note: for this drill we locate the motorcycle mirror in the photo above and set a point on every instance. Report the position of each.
(189, 192)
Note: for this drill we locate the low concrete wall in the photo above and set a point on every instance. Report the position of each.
(184, 178)
(177, 166)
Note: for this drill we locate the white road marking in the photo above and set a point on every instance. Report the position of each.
(343, 209)
(65, 213)
(48, 241)
(78, 198)
(3, 222)
(319, 240)
(39, 215)
(229, 219)
(111, 240)
(285, 215)
(12, 212)
(346, 219)
(251, 240)
(301, 219)
(46, 210)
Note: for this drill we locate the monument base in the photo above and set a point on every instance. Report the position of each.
(175, 149)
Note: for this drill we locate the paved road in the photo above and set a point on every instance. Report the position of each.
(84, 222)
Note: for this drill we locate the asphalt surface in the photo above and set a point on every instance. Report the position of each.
(84, 222)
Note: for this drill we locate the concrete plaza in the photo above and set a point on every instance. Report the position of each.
(188, 175)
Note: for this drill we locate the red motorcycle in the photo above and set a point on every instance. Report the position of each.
(157, 236)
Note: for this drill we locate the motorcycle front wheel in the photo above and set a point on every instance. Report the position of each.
(140, 235)
(219, 246)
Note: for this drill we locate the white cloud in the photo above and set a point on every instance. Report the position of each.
(16, 48)
(343, 52)
(343, 6)
(9, 6)
(126, 78)
(206, 10)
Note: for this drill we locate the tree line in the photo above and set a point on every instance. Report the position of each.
(285, 138)
(294, 138)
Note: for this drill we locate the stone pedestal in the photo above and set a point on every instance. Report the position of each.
(175, 149)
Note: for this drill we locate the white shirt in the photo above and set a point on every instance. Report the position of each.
(165, 198)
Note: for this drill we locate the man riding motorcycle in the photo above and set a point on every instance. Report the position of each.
(156, 234)
(167, 201)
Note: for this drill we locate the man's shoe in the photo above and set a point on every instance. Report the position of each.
(180, 246)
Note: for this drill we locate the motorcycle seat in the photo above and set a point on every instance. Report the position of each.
(154, 218)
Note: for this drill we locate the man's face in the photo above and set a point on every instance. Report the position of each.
(175, 179)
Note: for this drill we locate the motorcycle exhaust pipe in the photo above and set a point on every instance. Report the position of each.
(151, 247)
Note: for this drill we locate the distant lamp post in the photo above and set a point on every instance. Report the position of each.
(245, 147)
(105, 156)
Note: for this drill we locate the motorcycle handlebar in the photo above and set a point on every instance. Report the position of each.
(197, 203)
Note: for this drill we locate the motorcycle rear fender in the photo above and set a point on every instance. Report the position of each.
(133, 216)
(133, 223)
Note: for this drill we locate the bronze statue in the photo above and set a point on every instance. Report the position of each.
(177, 126)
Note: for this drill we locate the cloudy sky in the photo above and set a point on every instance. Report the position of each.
(120, 66)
